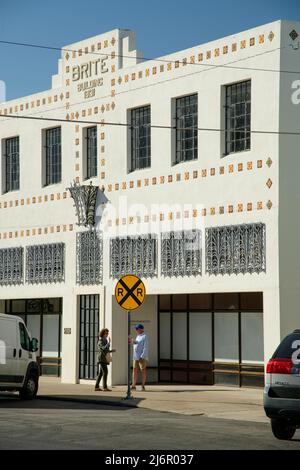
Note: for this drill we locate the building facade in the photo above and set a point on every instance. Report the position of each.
(182, 170)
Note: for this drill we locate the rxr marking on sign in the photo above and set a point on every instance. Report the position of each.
(130, 292)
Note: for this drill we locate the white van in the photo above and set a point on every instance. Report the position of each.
(19, 369)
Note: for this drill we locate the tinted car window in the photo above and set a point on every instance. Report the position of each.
(24, 338)
(286, 349)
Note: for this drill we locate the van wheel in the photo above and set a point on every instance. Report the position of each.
(282, 429)
(29, 391)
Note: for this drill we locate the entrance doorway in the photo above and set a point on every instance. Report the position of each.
(211, 338)
(43, 320)
(89, 329)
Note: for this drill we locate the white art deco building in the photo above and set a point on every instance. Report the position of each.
(183, 170)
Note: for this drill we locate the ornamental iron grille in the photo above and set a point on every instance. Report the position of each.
(181, 253)
(11, 266)
(133, 255)
(238, 117)
(89, 258)
(236, 249)
(45, 263)
(85, 198)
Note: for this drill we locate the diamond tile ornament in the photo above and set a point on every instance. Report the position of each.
(269, 162)
(293, 35)
(269, 204)
(269, 183)
(271, 36)
(67, 56)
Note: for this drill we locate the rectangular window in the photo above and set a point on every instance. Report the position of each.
(235, 249)
(140, 138)
(237, 117)
(136, 254)
(186, 128)
(45, 263)
(91, 162)
(53, 156)
(12, 164)
(11, 266)
(181, 253)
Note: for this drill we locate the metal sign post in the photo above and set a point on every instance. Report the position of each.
(130, 294)
(128, 396)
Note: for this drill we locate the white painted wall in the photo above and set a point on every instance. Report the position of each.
(271, 108)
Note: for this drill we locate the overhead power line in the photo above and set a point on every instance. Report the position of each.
(153, 126)
(144, 58)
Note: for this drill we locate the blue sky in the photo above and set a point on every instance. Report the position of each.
(162, 26)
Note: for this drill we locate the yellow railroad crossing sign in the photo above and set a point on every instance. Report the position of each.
(130, 292)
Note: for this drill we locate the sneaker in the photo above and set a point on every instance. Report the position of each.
(106, 390)
(98, 389)
(143, 389)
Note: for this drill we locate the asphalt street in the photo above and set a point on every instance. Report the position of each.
(47, 424)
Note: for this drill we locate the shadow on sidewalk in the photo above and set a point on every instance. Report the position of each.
(66, 402)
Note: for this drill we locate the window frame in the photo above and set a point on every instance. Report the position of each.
(91, 164)
(9, 181)
(230, 144)
(181, 136)
(49, 174)
(134, 136)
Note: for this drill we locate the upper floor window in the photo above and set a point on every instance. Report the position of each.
(140, 138)
(91, 155)
(53, 155)
(12, 164)
(186, 128)
(238, 117)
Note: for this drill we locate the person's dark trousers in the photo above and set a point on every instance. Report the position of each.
(103, 373)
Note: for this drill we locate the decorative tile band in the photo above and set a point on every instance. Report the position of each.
(194, 213)
(29, 232)
(186, 176)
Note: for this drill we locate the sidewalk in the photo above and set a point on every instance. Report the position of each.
(215, 401)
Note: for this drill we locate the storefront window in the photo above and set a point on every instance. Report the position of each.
(226, 337)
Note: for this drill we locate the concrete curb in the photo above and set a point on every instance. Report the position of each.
(126, 404)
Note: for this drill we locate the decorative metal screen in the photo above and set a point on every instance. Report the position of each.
(11, 266)
(236, 249)
(12, 164)
(133, 255)
(140, 138)
(238, 117)
(53, 155)
(45, 263)
(181, 253)
(89, 258)
(186, 128)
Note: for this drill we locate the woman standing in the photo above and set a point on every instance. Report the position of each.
(103, 351)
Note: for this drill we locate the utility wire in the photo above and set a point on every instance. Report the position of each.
(153, 126)
(150, 85)
(39, 46)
